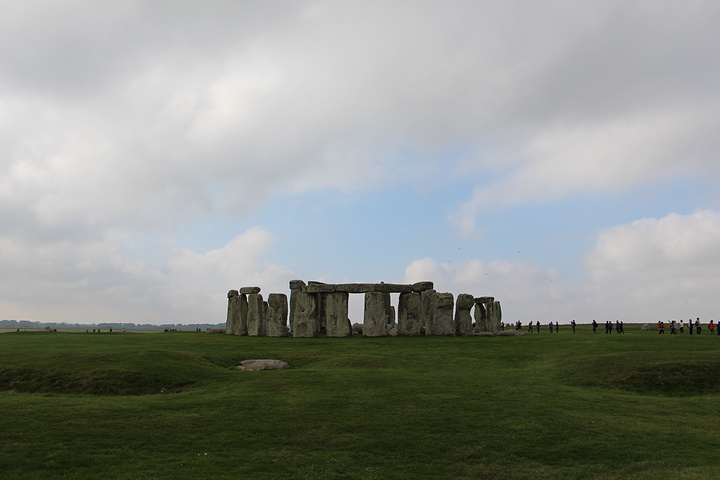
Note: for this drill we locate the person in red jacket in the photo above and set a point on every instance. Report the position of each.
(661, 327)
(711, 327)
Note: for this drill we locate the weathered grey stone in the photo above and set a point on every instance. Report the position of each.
(305, 320)
(442, 320)
(422, 286)
(392, 287)
(357, 329)
(321, 308)
(237, 314)
(484, 299)
(481, 318)
(463, 319)
(231, 311)
(428, 309)
(296, 284)
(320, 288)
(355, 287)
(276, 316)
(250, 290)
(256, 315)
(336, 314)
(255, 365)
(377, 314)
(410, 316)
(494, 316)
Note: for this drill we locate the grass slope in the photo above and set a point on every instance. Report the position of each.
(543, 406)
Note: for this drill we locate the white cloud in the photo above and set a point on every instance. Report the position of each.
(92, 282)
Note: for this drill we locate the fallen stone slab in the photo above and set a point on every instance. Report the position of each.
(265, 364)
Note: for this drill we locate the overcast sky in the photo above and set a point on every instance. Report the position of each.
(560, 156)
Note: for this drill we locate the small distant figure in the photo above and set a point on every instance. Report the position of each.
(682, 327)
(502, 326)
(607, 328)
(610, 327)
(673, 327)
(530, 327)
(594, 326)
(698, 328)
(711, 327)
(617, 327)
(690, 325)
(518, 325)
(622, 327)
(557, 327)
(537, 324)
(550, 325)
(572, 324)
(661, 328)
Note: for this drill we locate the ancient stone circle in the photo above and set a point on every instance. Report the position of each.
(317, 307)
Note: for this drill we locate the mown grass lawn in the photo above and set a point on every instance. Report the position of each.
(562, 406)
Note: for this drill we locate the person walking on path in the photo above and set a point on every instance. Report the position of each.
(594, 326)
(661, 328)
(690, 325)
(682, 327)
(698, 328)
(557, 327)
(711, 327)
(550, 325)
(622, 327)
(572, 324)
(537, 324)
(673, 328)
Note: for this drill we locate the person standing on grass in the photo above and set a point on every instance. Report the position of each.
(698, 328)
(530, 327)
(537, 324)
(673, 328)
(682, 327)
(594, 326)
(617, 326)
(690, 325)
(661, 328)
(572, 324)
(557, 327)
(711, 327)
(550, 325)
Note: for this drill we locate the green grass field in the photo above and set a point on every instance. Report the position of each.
(542, 406)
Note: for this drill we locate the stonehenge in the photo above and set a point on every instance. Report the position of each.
(316, 308)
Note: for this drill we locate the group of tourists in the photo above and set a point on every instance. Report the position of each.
(675, 326)
(553, 327)
(619, 327)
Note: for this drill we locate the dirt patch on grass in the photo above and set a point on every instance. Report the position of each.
(640, 373)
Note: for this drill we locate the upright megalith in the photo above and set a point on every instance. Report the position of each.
(428, 309)
(377, 314)
(337, 323)
(463, 319)
(494, 316)
(236, 323)
(487, 315)
(410, 316)
(296, 287)
(305, 319)
(276, 315)
(442, 322)
(256, 315)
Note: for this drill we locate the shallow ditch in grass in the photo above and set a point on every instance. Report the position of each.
(97, 382)
(681, 376)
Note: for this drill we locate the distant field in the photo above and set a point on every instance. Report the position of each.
(541, 406)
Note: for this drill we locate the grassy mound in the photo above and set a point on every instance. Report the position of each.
(680, 376)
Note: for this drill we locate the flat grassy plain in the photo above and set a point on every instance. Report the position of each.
(542, 406)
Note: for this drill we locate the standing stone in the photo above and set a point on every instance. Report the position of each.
(256, 315)
(305, 322)
(295, 288)
(321, 308)
(463, 319)
(428, 310)
(494, 316)
(276, 316)
(481, 318)
(442, 320)
(377, 314)
(249, 290)
(241, 325)
(336, 314)
(231, 312)
(410, 316)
